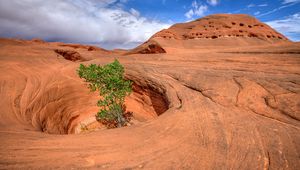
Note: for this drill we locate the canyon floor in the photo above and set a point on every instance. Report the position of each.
(202, 108)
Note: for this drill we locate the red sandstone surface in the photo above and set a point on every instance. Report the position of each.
(231, 102)
(222, 26)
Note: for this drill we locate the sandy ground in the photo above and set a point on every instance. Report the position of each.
(209, 108)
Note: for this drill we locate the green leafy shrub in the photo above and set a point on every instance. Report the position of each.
(113, 88)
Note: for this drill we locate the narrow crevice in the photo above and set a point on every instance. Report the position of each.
(200, 91)
(293, 82)
(269, 160)
(271, 118)
(69, 126)
(280, 110)
(180, 101)
(195, 89)
(265, 90)
(239, 91)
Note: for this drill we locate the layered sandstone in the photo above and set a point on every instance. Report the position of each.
(215, 31)
(194, 107)
(222, 26)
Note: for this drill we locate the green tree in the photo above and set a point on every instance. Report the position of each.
(113, 88)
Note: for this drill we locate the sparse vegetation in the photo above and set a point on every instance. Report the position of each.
(83, 127)
(113, 88)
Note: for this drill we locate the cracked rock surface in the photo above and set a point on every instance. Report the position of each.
(226, 110)
(202, 104)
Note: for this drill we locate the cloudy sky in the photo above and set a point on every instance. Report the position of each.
(127, 23)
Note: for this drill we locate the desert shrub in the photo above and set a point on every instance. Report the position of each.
(113, 88)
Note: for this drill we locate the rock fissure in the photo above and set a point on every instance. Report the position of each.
(239, 90)
(252, 130)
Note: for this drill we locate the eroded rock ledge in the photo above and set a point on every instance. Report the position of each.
(69, 55)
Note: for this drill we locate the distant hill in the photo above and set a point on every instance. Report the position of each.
(213, 30)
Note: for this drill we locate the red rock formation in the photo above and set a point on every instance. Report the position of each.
(234, 107)
(79, 46)
(70, 55)
(149, 47)
(222, 26)
(37, 40)
(214, 30)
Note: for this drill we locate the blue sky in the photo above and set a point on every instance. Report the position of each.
(174, 10)
(274, 12)
(127, 23)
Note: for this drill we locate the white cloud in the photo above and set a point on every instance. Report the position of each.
(257, 13)
(194, 4)
(277, 9)
(259, 5)
(262, 5)
(289, 26)
(251, 5)
(196, 10)
(134, 12)
(189, 14)
(102, 22)
(213, 2)
(201, 10)
(290, 1)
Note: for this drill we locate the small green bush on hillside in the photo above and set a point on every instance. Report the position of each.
(113, 88)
